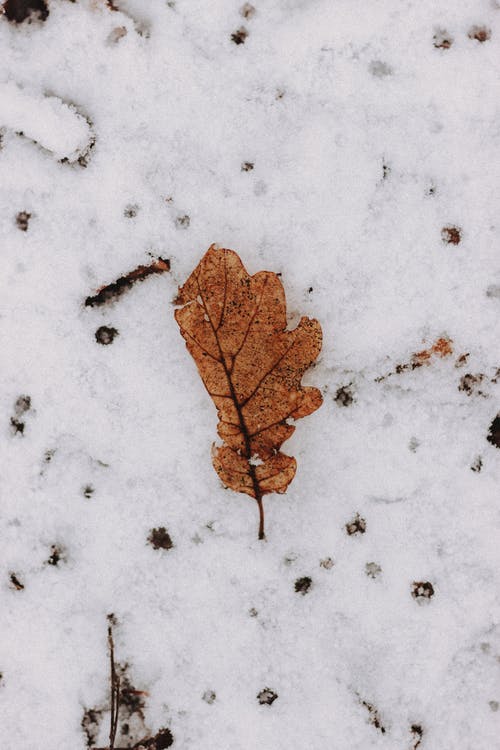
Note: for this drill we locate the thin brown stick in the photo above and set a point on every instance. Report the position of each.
(115, 690)
(111, 291)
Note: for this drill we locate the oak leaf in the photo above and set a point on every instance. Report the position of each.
(234, 326)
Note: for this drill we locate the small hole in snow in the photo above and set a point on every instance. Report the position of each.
(442, 40)
(422, 590)
(247, 11)
(105, 335)
(479, 33)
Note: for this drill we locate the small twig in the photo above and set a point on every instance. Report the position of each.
(115, 690)
(121, 285)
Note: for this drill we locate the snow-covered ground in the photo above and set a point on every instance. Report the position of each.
(353, 147)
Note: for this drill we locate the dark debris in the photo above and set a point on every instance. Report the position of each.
(266, 697)
(124, 283)
(18, 11)
(160, 538)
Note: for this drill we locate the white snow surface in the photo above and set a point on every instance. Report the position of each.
(366, 140)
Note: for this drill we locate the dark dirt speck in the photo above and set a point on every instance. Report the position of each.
(303, 585)
(15, 583)
(247, 11)
(442, 39)
(356, 526)
(183, 222)
(160, 538)
(239, 36)
(344, 395)
(477, 464)
(479, 33)
(470, 383)
(131, 211)
(493, 436)
(18, 11)
(16, 426)
(22, 220)
(57, 555)
(422, 590)
(267, 697)
(161, 741)
(417, 734)
(90, 724)
(372, 569)
(22, 405)
(105, 335)
(451, 235)
(374, 718)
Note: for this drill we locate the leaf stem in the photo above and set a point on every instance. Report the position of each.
(261, 517)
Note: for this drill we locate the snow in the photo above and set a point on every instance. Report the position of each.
(365, 140)
(46, 120)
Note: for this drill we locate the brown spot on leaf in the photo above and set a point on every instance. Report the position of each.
(22, 220)
(234, 325)
(451, 235)
(493, 436)
(479, 33)
(160, 538)
(18, 11)
(124, 283)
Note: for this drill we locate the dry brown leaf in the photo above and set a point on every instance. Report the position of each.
(234, 325)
